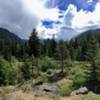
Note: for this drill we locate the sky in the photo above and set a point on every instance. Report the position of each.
(63, 18)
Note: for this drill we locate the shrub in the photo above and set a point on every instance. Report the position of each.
(4, 70)
(9, 71)
(79, 80)
(26, 71)
(47, 63)
(68, 63)
(91, 96)
(42, 78)
(65, 87)
(78, 75)
(13, 73)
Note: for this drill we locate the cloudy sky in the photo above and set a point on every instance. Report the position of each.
(64, 18)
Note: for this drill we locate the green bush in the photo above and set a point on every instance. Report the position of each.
(79, 80)
(4, 69)
(9, 71)
(91, 96)
(47, 63)
(26, 71)
(68, 63)
(42, 78)
(65, 88)
(13, 73)
(78, 75)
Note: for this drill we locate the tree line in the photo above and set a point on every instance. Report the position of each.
(87, 50)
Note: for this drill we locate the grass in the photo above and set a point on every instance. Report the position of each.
(6, 90)
(91, 96)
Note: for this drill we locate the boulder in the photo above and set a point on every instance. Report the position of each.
(37, 83)
(49, 88)
(82, 90)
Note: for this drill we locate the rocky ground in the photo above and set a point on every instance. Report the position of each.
(26, 93)
(20, 95)
(38, 91)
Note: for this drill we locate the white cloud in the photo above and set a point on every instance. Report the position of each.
(63, 30)
(16, 19)
(20, 16)
(89, 1)
(77, 20)
(68, 15)
(38, 8)
(84, 19)
(46, 33)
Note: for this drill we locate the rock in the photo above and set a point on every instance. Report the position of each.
(37, 83)
(49, 88)
(58, 76)
(82, 90)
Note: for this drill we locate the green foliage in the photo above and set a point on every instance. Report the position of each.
(26, 72)
(4, 66)
(42, 78)
(43, 59)
(91, 96)
(78, 74)
(10, 45)
(79, 79)
(14, 74)
(92, 56)
(53, 46)
(8, 72)
(49, 47)
(47, 63)
(65, 87)
(62, 54)
(93, 76)
(46, 49)
(33, 42)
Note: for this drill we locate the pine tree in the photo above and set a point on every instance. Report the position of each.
(92, 47)
(47, 48)
(93, 79)
(34, 44)
(34, 47)
(53, 45)
(62, 53)
(7, 49)
(73, 49)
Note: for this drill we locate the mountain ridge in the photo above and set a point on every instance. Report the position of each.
(85, 35)
(5, 33)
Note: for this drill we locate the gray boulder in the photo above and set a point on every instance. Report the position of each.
(82, 90)
(49, 88)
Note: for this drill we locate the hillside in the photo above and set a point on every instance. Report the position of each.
(11, 43)
(5, 34)
(85, 35)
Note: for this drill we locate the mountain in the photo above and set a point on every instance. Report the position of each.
(11, 45)
(5, 34)
(85, 35)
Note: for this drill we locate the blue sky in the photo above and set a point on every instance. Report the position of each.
(64, 18)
